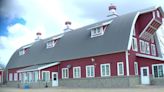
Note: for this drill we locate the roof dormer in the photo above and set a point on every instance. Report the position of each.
(99, 29)
(52, 42)
(24, 49)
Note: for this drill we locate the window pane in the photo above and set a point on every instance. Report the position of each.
(160, 71)
(103, 70)
(107, 69)
(155, 71)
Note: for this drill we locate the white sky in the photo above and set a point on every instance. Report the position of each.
(48, 17)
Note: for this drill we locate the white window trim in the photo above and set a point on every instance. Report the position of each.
(96, 33)
(134, 32)
(135, 43)
(136, 68)
(20, 76)
(21, 52)
(51, 44)
(153, 69)
(105, 70)
(48, 74)
(15, 76)
(118, 72)
(10, 77)
(79, 72)
(88, 76)
(63, 75)
(153, 50)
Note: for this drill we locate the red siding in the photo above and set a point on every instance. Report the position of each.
(112, 59)
(142, 21)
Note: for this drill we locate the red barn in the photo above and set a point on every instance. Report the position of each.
(122, 51)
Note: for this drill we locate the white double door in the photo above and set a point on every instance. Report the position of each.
(55, 79)
(145, 78)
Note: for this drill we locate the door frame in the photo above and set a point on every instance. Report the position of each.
(148, 75)
(57, 77)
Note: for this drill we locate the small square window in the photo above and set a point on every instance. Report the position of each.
(51, 44)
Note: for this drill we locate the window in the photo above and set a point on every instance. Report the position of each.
(15, 77)
(136, 68)
(10, 77)
(158, 14)
(147, 48)
(134, 44)
(29, 76)
(105, 70)
(152, 39)
(90, 71)
(158, 70)
(65, 73)
(120, 68)
(142, 46)
(98, 31)
(45, 76)
(153, 50)
(21, 52)
(20, 76)
(24, 77)
(76, 72)
(51, 44)
(36, 74)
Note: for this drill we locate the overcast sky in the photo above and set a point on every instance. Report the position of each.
(48, 17)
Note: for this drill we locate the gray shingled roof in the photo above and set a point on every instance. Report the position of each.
(78, 44)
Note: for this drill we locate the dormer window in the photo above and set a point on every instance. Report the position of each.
(51, 44)
(21, 52)
(24, 49)
(97, 32)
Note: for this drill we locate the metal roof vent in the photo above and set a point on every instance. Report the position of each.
(38, 34)
(68, 24)
(112, 11)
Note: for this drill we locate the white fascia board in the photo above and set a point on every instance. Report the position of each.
(150, 57)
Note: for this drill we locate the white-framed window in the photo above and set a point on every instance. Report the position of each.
(21, 52)
(51, 44)
(36, 76)
(147, 51)
(158, 70)
(105, 70)
(142, 46)
(120, 68)
(24, 77)
(20, 76)
(90, 71)
(152, 39)
(10, 77)
(65, 73)
(77, 72)
(46, 76)
(30, 76)
(136, 68)
(153, 50)
(98, 31)
(15, 76)
(134, 44)
(158, 13)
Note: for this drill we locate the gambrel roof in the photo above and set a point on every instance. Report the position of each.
(79, 44)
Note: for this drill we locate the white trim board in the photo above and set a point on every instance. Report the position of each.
(149, 57)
